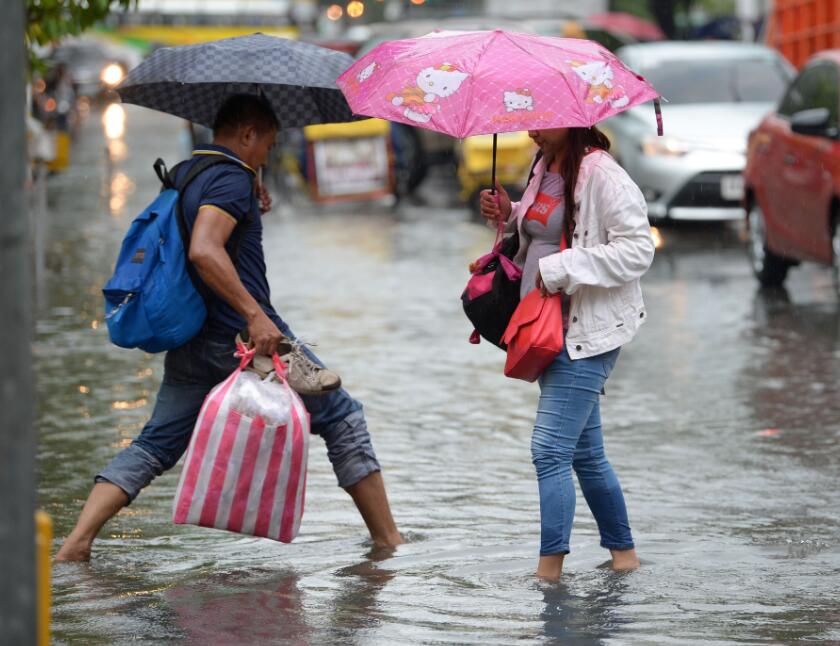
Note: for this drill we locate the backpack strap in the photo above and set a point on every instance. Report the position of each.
(169, 179)
(196, 168)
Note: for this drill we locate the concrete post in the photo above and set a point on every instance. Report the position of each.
(17, 438)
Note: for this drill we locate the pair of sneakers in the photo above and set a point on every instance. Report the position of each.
(304, 375)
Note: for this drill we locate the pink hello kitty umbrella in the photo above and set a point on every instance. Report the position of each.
(483, 82)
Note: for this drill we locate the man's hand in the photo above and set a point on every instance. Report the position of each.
(263, 196)
(496, 206)
(263, 334)
(211, 232)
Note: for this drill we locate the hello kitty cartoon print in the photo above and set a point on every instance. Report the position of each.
(599, 76)
(520, 99)
(465, 83)
(422, 100)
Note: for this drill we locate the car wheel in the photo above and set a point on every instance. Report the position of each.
(769, 268)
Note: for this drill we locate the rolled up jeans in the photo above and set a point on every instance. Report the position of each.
(567, 435)
(190, 373)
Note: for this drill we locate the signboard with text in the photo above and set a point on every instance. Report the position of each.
(351, 167)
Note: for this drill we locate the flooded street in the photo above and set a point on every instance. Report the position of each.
(722, 420)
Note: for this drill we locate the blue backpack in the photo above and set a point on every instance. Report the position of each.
(155, 300)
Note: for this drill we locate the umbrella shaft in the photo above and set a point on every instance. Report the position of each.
(493, 185)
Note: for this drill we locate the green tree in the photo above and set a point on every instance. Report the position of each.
(49, 20)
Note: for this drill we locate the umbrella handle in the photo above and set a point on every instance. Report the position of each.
(500, 224)
(657, 109)
(493, 181)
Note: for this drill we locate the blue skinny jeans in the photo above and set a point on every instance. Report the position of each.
(567, 435)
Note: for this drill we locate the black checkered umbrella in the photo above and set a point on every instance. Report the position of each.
(192, 81)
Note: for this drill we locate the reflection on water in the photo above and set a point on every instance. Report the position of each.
(120, 188)
(806, 334)
(244, 607)
(589, 616)
(737, 528)
(113, 121)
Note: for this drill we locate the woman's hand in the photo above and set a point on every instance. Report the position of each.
(494, 207)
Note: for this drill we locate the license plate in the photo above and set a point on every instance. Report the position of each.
(732, 187)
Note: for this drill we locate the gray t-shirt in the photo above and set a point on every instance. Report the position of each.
(544, 225)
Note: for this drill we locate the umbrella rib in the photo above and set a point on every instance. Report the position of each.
(572, 90)
(473, 82)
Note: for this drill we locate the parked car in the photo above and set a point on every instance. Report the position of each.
(793, 176)
(714, 93)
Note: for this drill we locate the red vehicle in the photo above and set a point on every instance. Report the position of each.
(792, 178)
(801, 28)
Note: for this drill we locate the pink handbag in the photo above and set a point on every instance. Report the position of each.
(534, 336)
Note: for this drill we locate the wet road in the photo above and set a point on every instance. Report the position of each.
(722, 420)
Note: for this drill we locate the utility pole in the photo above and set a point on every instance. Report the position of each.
(17, 437)
(748, 11)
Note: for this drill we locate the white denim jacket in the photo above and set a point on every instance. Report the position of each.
(610, 250)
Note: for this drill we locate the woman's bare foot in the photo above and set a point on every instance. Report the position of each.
(624, 560)
(550, 567)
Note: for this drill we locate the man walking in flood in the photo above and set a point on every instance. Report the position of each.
(223, 212)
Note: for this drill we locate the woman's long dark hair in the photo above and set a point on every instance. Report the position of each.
(579, 142)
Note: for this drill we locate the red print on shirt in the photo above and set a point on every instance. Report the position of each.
(541, 208)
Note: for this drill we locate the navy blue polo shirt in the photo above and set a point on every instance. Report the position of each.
(230, 188)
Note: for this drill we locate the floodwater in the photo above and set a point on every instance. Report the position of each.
(722, 420)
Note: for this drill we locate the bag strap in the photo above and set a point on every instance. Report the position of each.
(537, 159)
(169, 179)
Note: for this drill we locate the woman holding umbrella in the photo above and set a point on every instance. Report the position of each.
(472, 83)
(579, 192)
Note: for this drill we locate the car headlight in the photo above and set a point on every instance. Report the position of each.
(112, 75)
(664, 146)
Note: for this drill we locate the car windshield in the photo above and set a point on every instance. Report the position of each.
(718, 81)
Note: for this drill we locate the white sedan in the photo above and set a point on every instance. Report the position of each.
(713, 94)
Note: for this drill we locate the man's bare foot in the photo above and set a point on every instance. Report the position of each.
(372, 502)
(73, 550)
(624, 560)
(104, 502)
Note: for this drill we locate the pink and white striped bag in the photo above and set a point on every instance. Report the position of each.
(245, 469)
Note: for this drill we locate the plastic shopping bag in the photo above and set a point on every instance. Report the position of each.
(245, 469)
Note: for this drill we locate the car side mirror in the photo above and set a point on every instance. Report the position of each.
(813, 123)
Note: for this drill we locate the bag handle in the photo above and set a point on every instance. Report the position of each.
(281, 369)
(162, 173)
(246, 354)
